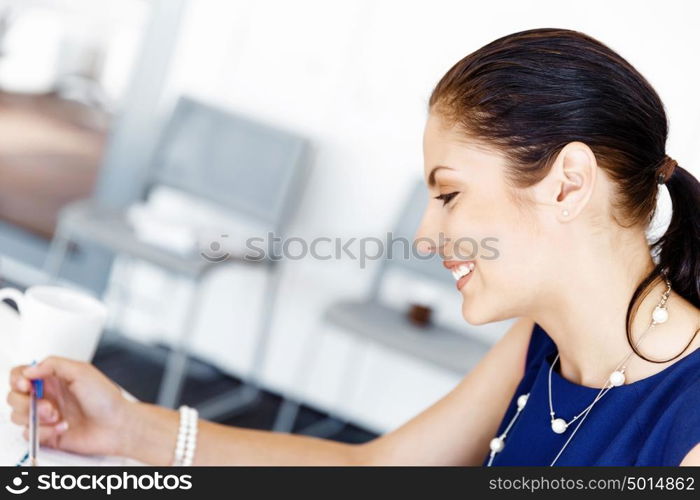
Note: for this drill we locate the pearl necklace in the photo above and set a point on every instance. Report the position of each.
(616, 379)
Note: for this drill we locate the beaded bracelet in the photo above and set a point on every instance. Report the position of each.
(186, 437)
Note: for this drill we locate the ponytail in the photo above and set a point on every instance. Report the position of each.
(678, 250)
(679, 247)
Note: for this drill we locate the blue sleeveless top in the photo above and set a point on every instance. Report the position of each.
(653, 421)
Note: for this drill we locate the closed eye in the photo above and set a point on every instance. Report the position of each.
(446, 197)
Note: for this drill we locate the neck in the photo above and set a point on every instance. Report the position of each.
(586, 314)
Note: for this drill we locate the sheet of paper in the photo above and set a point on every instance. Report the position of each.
(14, 446)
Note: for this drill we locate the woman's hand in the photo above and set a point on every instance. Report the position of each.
(81, 411)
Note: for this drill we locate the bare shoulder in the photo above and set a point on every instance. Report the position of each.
(456, 429)
(692, 458)
(506, 358)
(516, 340)
(502, 367)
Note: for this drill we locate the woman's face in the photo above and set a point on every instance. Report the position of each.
(482, 222)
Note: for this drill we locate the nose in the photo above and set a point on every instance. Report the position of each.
(425, 239)
(424, 247)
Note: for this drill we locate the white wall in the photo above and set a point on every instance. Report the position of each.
(354, 77)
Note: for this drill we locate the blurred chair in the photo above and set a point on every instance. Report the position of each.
(249, 170)
(371, 321)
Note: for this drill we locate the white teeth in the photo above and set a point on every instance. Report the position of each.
(462, 270)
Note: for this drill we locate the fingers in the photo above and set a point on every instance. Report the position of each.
(47, 433)
(18, 381)
(20, 409)
(63, 368)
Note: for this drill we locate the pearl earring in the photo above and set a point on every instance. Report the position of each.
(565, 213)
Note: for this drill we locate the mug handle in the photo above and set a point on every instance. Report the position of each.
(13, 294)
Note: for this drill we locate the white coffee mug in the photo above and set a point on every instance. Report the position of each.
(55, 321)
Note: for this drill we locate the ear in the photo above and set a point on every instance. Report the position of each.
(569, 184)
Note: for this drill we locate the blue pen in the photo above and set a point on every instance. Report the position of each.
(22, 460)
(36, 392)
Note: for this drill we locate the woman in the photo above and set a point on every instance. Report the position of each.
(555, 145)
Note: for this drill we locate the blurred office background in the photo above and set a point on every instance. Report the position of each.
(120, 103)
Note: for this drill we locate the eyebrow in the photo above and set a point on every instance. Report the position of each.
(431, 177)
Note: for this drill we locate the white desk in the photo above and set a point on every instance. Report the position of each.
(14, 446)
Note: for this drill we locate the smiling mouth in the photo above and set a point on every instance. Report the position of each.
(462, 270)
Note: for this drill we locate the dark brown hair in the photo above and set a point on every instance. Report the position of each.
(530, 93)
